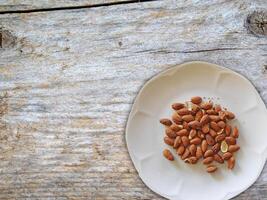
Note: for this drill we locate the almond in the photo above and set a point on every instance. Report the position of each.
(199, 153)
(170, 133)
(185, 141)
(185, 154)
(206, 105)
(176, 127)
(180, 150)
(194, 124)
(216, 148)
(185, 125)
(210, 140)
(211, 112)
(208, 153)
(221, 124)
(199, 115)
(204, 120)
(214, 126)
(218, 158)
(195, 108)
(195, 141)
(231, 163)
(177, 106)
(196, 100)
(204, 146)
(166, 122)
(169, 141)
(206, 128)
(184, 111)
(233, 148)
(177, 142)
(222, 115)
(224, 147)
(200, 133)
(214, 118)
(230, 140)
(188, 118)
(211, 169)
(177, 118)
(192, 134)
(182, 132)
(220, 138)
(167, 154)
(227, 156)
(212, 133)
(228, 129)
(207, 160)
(191, 160)
(192, 149)
(217, 108)
(235, 132)
(229, 115)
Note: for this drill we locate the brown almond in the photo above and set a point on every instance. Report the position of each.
(184, 111)
(217, 108)
(177, 119)
(206, 105)
(208, 160)
(199, 133)
(194, 124)
(185, 154)
(180, 150)
(182, 132)
(195, 141)
(192, 134)
(211, 169)
(204, 146)
(208, 153)
(227, 156)
(222, 115)
(228, 130)
(199, 115)
(186, 125)
(233, 148)
(195, 108)
(166, 122)
(220, 138)
(216, 148)
(199, 152)
(176, 127)
(231, 163)
(204, 120)
(230, 140)
(211, 112)
(229, 115)
(177, 106)
(212, 133)
(169, 141)
(214, 118)
(170, 133)
(214, 126)
(191, 160)
(196, 100)
(192, 149)
(185, 141)
(177, 142)
(221, 124)
(188, 118)
(218, 158)
(235, 132)
(210, 140)
(205, 128)
(167, 154)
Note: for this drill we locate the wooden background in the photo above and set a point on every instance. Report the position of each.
(68, 78)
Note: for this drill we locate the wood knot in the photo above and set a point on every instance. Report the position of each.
(256, 23)
(6, 39)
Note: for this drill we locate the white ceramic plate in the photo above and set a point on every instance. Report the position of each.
(177, 180)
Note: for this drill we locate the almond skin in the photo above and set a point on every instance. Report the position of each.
(185, 141)
(215, 148)
(207, 160)
(214, 126)
(177, 142)
(176, 127)
(196, 100)
(210, 140)
(204, 146)
(230, 140)
(192, 149)
(177, 106)
(182, 132)
(194, 124)
(227, 156)
(206, 105)
(170, 133)
(191, 160)
(169, 141)
(211, 169)
(166, 122)
(208, 153)
(199, 152)
(221, 124)
(199, 115)
(188, 118)
(214, 118)
(220, 138)
(185, 154)
(168, 155)
(229, 115)
(218, 158)
(228, 130)
(180, 150)
(205, 128)
(195, 141)
(204, 120)
(233, 148)
(177, 118)
(184, 111)
(235, 132)
(192, 134)
(212, 133)
(211, 112)
(231, 163)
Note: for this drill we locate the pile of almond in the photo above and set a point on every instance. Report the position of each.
(200, 130)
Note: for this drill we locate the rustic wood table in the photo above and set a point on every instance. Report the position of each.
(70, 70)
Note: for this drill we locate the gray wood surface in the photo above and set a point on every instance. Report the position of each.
(68, 79)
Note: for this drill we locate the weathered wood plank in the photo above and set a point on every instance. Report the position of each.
(70, 78)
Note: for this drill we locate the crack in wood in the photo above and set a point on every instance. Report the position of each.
(74, 7)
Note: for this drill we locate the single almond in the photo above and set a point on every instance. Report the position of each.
(185, 141)
(192, 134)
(204, 120)
(177, 118)
(208, 153)
(180, 150)
(177, 106)
(195, 141)
(170, 133)
(176, 127)
(233, 148)
(169, 141)
(218, 158)
(182, 132)
(206, 105)
(210, 140)
(185, 154)
(224, 147)
(205, 128)
(199, 152)
(188, 118)
(235, 132)
(194, 124)
(227, 156)
(196, 100)
(166, 122)
(204, 146)
(214, 118)
(199, 115)
(177, 142)
(228, 130)
(221, 124)
(216, 148)
(220, 138)
(214, 126)
(211, 169)
(186, 125)
(222, 115)
(192, 149)
(207, 160)
(217, 108)
(229, 115)
(195, 108)
(183, 111)
(191, 160)
(211, 112)
(231, 163)
(167, 154)
(212, 133)
(230, 140)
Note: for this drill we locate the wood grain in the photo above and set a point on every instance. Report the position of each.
(68, 83)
